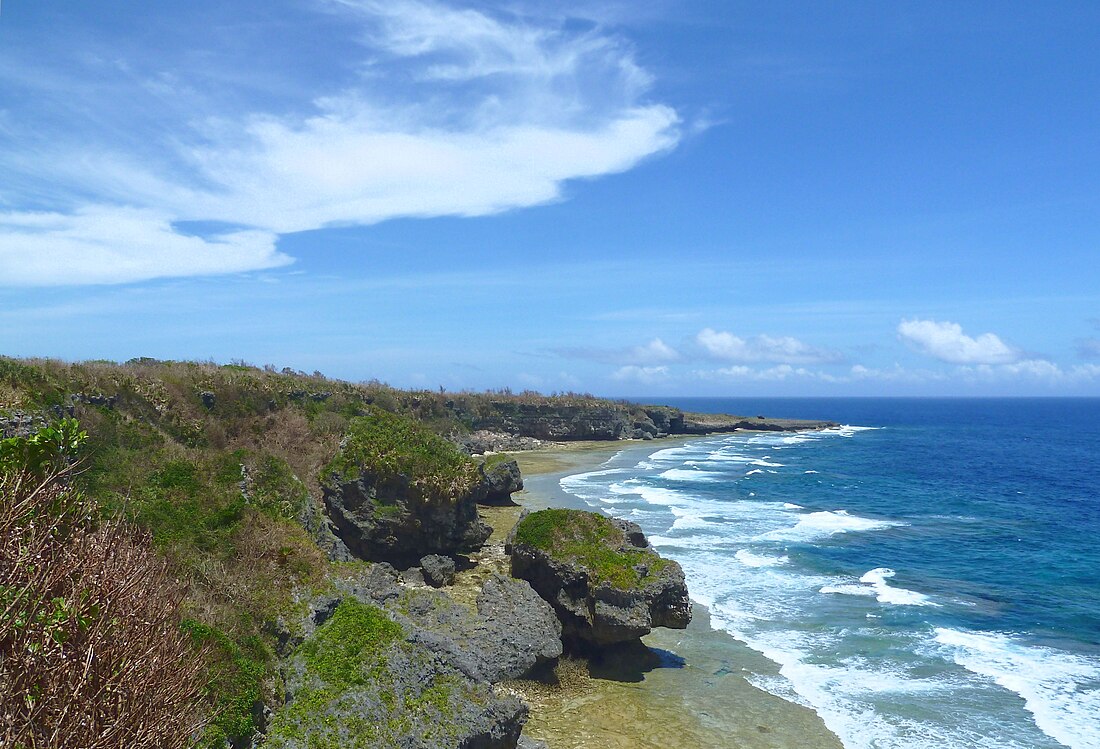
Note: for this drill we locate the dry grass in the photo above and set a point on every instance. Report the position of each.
(91, 651)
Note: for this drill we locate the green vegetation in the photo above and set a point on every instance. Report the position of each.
(220, 465)
(48, 450)
(348, 654)
(90, 648)
(234, 680)
(389, 446)
(349, 643)
(592, 541)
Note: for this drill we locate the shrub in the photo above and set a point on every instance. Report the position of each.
(388, 446)
(91, 650)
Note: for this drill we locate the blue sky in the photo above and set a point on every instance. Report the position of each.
(694, 198)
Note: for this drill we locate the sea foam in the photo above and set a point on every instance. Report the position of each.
(874, 584)
(818, 525)
(1060, 690)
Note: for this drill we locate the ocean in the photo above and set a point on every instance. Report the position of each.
(926, 576)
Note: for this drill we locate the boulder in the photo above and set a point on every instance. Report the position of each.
(438, 570)
(364, 677)
(498, 482)
(604, 581)
(385, 520)
(521, 629)
(513, 632)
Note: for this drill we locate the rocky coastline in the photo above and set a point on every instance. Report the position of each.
(572, 582)
(512, 425)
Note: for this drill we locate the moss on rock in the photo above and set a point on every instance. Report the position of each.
(593, 542)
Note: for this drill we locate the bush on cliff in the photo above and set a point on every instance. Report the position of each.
(592, 541)
(91, 650)
(387, 446)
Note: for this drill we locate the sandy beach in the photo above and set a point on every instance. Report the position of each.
(691, 689)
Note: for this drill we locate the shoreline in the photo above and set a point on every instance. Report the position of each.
(694, 688)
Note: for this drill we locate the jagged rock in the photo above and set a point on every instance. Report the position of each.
(529, 633)
(363, 677)
(483, 441)
(413, 576)
(437, 570)
(556, 422)
(386, 521)
(513, 632)
(498, 483)
(19, 424)
(632, 532)
(605, 583)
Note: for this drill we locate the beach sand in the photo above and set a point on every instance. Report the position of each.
(690, 689)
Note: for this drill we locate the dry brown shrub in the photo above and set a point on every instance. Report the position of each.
(91, 652)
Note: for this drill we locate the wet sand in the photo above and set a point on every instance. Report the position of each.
(688, 689)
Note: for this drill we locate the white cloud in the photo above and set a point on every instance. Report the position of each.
(105, 244)
(654, 351)
(353, 167)
(644, 375)
(947, 342)
(456, 113)
(762, 348)
(1040, 370)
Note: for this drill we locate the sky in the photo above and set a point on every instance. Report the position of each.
(678, 197)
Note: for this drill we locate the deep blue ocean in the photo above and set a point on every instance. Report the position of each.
(926, 576)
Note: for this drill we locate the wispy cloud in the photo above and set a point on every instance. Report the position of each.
(763, 348)
(947, 342)
(456, 112)
(101, 244)
(654, 352)
(1088, 348)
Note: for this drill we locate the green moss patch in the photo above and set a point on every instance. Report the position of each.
(343, 649)
(593, 542)
(351, 699)
(235, 686)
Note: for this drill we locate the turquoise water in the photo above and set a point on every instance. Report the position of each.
(928, 576)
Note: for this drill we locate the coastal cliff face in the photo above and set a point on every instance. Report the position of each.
(383, 521)
(499, 423)
(605, 582)
(548, 421)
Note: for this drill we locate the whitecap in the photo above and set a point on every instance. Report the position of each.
(681, 474)
(764, 463)
(817, 525)
(686, 520)
(1061, 690)
(874, 584)
(749, 559)
(754, 470)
